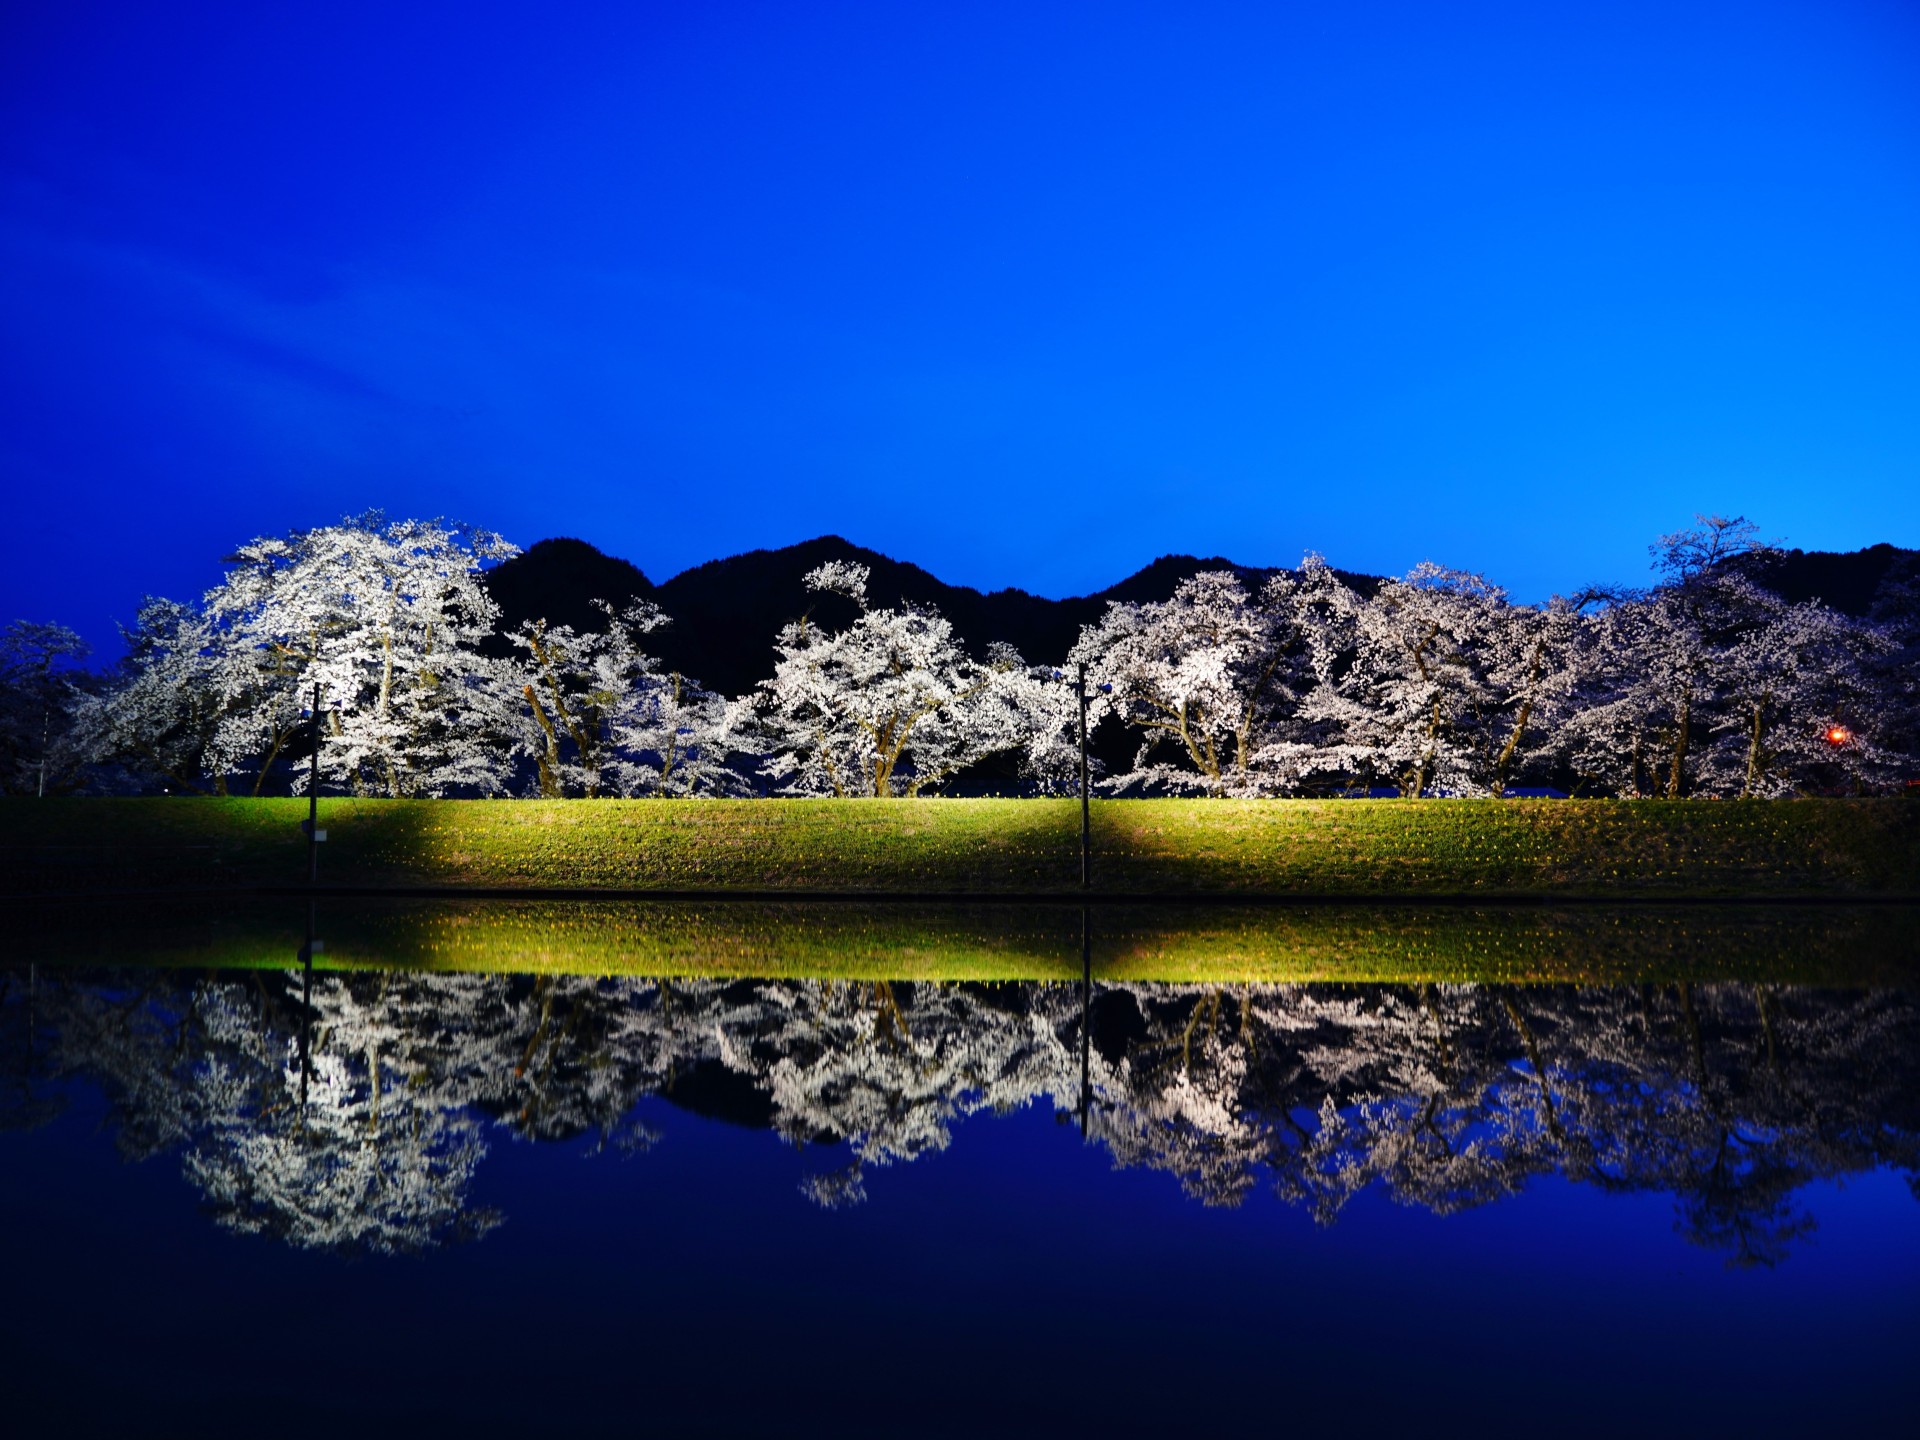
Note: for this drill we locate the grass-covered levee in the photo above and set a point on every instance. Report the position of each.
(1589, 849)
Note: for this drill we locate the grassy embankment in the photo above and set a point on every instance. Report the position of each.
(1596, 849)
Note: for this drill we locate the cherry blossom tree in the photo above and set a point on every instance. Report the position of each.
(1414, 705)
(891, 704)
(1710, 684)
(1796, 677)
(1700, 605)
(1533, 668)
(609, 722)
(1613, 737)
(162, 712)
(386, 619)
(575, 682)
(677, 739)
(40, 693)
(1201, 676)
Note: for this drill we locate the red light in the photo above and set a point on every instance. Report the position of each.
(1838, 735)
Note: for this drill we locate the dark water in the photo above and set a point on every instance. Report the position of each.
(387, 1201)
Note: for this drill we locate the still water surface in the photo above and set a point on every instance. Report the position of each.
(391, 1198)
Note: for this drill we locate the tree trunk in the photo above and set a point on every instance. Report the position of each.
(1243, 732)
(1507, 751)
(1676, 783)
(279, 743)
(1753, 751)
(1505, 759)
(382, 706)
(548, 761)
(672, 757)
(1203, 758)
(1422, 773)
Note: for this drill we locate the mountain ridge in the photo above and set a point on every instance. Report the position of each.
(725, 612)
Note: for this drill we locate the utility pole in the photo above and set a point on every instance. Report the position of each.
(314, 833)
(1086, 812)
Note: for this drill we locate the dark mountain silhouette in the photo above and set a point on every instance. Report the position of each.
(1848, 581)
(730, 609)
(558, 581)
(726, 613)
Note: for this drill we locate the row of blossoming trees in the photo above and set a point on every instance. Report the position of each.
(1435, 683)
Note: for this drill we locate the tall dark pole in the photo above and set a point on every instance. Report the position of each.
(1086, 813)
(313, 797)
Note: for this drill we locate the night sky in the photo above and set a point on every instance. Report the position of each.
(1028, 293)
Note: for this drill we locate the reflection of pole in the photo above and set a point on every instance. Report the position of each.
(313, 803)
(1086, 1013)
(306, 1009)
(1086, 816)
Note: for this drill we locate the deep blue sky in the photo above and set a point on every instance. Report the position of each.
(1028, 293)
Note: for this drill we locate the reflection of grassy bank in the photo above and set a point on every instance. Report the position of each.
(1832, 945)
(1614, 849)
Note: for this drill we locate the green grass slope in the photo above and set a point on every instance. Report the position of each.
(1593, 848)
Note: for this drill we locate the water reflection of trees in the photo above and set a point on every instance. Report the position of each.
(1730, 1097)
(352, 1114)
(28, 1098)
